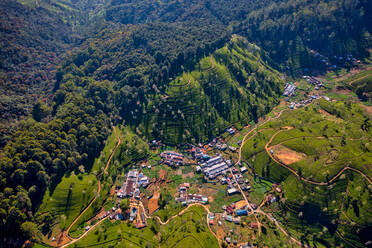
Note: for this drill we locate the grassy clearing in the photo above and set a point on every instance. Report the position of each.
(188, 230)
(69, 198)
(332, 135)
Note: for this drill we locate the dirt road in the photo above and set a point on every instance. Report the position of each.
(305, 179)
(73, 240)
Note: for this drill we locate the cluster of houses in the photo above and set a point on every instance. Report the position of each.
(314, 81)
(231, 183)
(131, 186)
(172, 158)
(307, 101)
(137, 217)
(348, 58)
(215, 166)
(187, 198)
(289, 89)
(198, 153)
(155, 144)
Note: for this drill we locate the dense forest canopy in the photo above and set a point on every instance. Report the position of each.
(288, 30)
(137, 61)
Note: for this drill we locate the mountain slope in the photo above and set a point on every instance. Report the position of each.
(232, 86)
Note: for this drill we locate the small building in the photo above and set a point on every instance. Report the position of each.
(229, 218)
(243, 169)
(232, 148)
(232, 191)
(241, 212)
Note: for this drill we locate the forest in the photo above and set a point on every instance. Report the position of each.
(91, 65)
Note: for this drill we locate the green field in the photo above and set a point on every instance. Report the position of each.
(69, 198)
(332, 135)
(187, 230)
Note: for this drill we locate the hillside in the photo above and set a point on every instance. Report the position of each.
(233, 85)
(32, 41)
(305, 35)
(182, 72)
(316, 143)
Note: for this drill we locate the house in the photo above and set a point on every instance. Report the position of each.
(237, 220)
(172, 158)
(254, 224)
(230, 131)
(289, 89)
(241, 212)
(229, 218)
(243, 169)
(232, 191)
(233, 149)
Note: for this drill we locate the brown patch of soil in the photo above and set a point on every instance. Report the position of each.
(323, 112)
(153, 202)
(112, 190)
(286, 155)
(190, 174)
(367, 110)
(61, 239)
(162, 174)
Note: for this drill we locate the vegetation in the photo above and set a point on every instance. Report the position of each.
(67, 200)
(289, 30)
(189, 229)
(337, 137)
(69, 69)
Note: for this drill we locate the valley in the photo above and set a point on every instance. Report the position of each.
(254, 213)
(226, 123)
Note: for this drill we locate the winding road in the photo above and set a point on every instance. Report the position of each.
(66, 233)
(305, 179)
(180, 213)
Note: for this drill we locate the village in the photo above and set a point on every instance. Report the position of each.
(211, 171)
(206, 174)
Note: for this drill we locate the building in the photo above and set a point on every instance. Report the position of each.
(215, 166)
(241, 212)
(232, 191)
(194, 198)
(289, 89)
(254, 224)
(172, 158)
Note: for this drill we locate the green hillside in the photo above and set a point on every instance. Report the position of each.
(330, 136)
(188, 230)
(232, 86)
(68, 199)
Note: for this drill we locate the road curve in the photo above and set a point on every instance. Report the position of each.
(305, 179)
(73, 240)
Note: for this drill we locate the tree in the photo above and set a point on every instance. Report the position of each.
(124, 204)
(29, 229)
(40, 111)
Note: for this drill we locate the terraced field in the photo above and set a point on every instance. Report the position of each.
(232, 86)
(320, 188)
(188, 230)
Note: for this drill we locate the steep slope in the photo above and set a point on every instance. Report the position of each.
(31, 43)
(288, 30)
(232, 86)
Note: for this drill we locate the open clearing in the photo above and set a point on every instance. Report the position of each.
(153, 202)
(287, 155)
